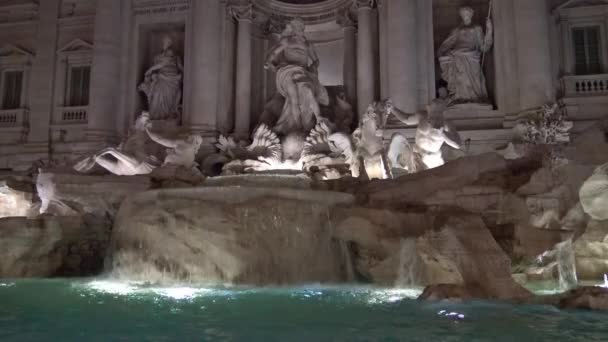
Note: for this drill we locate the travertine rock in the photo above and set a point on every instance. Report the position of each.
(591, 252)
(255, 236)
(594, 194)
(72, 194)
(591, 298)
(52, 246)
(465, 240)
(488, 170)
(16, 198)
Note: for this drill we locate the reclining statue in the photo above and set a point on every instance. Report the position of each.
(432, 132)
(129, 158)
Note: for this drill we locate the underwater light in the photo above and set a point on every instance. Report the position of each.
(127, 289)
(453, 315)
(393, 295)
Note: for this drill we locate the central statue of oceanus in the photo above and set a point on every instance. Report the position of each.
(295, 61)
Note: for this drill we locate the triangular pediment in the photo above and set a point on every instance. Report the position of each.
(581, 3)
(76, 45)
(10, 50)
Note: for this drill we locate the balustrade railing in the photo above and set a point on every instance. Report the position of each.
(585, 85)
(73, 114)
(12, 117)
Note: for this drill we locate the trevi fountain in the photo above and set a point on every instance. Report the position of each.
(395, 170)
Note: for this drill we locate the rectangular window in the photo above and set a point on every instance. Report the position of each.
(587, 50)
(12, 86)
(78, 92)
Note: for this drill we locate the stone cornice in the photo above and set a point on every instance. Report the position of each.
(311, 14)
(18, 11)
(146, 7)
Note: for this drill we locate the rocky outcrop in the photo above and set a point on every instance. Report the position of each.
(490, 172)
(16, 197)
(218, 235)
(591, 251)
(66, 194)
(465, 240)
(451, 247)
(589, 298)
(52, 246)
(586, 298)
(594, 194)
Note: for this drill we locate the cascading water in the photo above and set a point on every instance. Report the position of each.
(407, 274)
(229, 235)
(566, 265)
(345, 252)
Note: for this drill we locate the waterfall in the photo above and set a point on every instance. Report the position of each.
(348, 261)
(345, 251)
(566, 265)
(407, 273)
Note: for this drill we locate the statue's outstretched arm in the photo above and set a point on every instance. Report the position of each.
(160, 140)
(452, 138)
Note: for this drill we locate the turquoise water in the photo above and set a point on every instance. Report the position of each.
(58, 310)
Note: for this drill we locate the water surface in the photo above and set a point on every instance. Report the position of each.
(62, 310)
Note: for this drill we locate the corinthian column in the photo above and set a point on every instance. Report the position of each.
(243, 15)
(206, 23)
(365, 55)
(533, 52)
(41, 84)
(350, 56)
(105, 72)
(401, 40)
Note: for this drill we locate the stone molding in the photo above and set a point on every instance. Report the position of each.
(311, 14)
(148, 7)
(19, 12)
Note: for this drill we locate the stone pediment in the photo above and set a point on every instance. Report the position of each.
(10, 50)
(76, 45)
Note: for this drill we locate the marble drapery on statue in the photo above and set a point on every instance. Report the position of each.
(460, 58)
(295, 61)
(162, 84)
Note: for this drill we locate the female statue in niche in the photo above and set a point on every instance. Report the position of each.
(295, 61)
(460, 57)
(163, 84)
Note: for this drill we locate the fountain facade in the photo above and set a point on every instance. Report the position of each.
(282, 144)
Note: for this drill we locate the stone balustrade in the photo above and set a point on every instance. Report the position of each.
(12, 117)
(73, 114)
(585, 85)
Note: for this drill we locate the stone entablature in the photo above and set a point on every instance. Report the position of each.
(311, 13)
(18, 11)
(147, 7)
